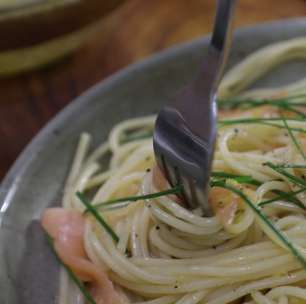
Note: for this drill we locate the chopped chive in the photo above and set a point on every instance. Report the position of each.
(262, 121)
(257, 119)
(70, 273)
(236, 102)
(111, 206)
(294, 140)
(242, 179)
(291, 199)
(294, 166)
(175, 190)
(266, 220)
(98, 217)
(292, 178)
(286, 195)
(291, 109)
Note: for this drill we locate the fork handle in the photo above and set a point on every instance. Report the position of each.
(217, 53)
(222, 31)
(222, 24)
(201, 93)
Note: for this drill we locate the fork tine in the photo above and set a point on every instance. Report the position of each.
(166, 170)
(176, 178)
(173, 176)
(180, 181)
(201, 197)
(193, 199)
(171, 173)
(187, 193)
(192, 194)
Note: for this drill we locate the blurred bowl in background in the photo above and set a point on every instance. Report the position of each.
(36, 32)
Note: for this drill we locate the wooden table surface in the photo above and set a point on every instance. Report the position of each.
(138, 29)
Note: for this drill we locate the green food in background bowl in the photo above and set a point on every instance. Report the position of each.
(35, 33)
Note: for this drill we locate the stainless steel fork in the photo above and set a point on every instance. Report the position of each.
(185, 129)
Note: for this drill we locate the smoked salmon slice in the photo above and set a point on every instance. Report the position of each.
(66, 227)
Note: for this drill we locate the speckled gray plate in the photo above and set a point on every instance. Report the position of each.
(28, 271)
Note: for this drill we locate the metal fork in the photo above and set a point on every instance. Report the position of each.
(185, 130)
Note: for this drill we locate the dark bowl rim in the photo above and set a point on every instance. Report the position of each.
(37, 23)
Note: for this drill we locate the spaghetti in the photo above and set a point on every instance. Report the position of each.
(253, 251)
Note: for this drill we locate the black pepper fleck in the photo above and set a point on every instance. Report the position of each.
(128, 253)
